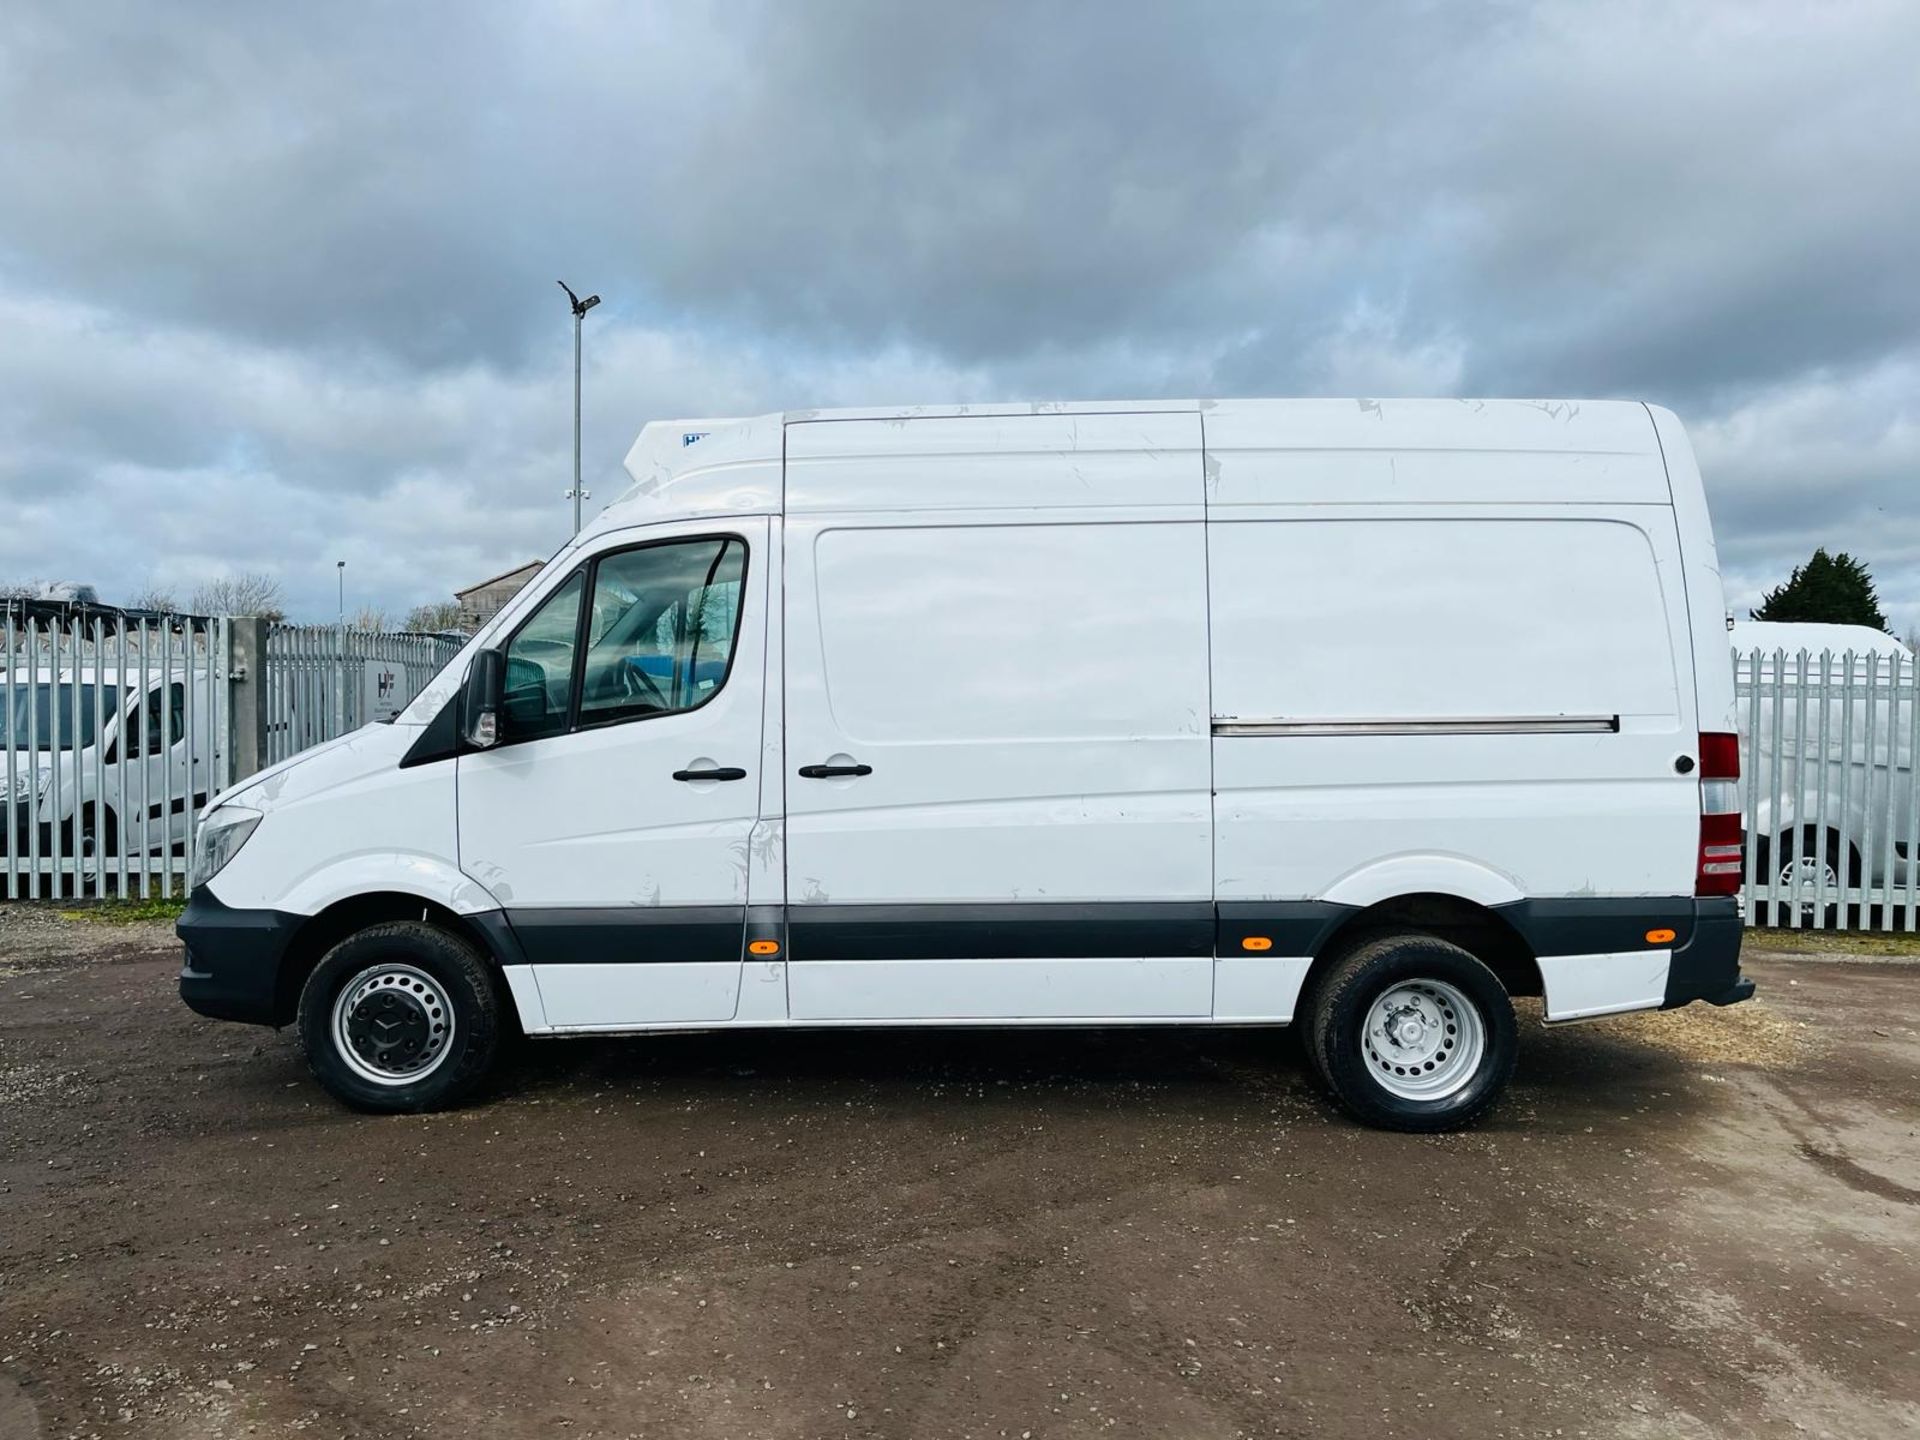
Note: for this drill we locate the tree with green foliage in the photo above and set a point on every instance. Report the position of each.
(1829, 590)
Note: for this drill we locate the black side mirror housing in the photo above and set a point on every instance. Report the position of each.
(480, 699)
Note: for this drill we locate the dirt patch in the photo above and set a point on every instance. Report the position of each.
(1754, 1033)
(1690, 1224)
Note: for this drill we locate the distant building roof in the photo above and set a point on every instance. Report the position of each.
(519, 573)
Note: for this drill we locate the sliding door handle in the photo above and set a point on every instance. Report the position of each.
(827, 772)
(725, 772)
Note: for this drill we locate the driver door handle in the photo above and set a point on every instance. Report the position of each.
(825, 772)
(725, 772)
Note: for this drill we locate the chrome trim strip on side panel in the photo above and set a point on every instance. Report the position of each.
(1447, 725)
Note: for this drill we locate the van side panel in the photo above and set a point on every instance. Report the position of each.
(996, 644)
(1407, 694)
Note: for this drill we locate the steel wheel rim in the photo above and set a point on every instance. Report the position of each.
(393, 1024)
(1802, 878)
(1423, 1039)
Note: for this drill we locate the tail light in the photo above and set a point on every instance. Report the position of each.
(1722, 841)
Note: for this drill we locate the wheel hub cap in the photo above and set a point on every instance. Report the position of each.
(1424, 1039)
(1806, 877)
(390, 1028)
(392, 1024)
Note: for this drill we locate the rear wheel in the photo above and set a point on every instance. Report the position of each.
(1411, 1032)
(400, 1018)
(1818, 864)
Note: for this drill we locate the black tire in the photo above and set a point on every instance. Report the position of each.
(1810, 843)
(420, 977)
(98, 837)
(1338, 1044)
(83, 848)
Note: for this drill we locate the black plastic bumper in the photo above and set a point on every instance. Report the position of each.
(232, 965)
(1707, 967)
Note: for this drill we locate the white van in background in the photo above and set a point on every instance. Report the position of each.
(97, 762)
(1829, 771)
(1366, 714)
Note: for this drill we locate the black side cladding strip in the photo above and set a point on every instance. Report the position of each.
(1016, 930)
(630, 935)
(1296, 927)
(641, 934)
(1599, 926)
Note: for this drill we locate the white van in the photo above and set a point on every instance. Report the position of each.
(1830, 755)
(102, 761)
(1370, 714)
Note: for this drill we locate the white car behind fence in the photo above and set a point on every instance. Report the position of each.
(1829, 720)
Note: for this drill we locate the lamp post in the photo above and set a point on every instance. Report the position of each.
(340, 670)
(580, 309)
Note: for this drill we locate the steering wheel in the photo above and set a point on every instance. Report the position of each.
(637, 684)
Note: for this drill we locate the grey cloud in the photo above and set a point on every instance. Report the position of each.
(307, 253)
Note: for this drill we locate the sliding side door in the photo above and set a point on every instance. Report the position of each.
(997, 756)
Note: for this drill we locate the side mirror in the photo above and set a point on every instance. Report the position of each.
(480, 699)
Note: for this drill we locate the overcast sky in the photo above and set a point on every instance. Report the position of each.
(276, 282)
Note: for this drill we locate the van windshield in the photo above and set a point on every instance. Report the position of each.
(40, 717)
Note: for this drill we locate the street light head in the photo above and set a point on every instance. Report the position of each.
(588, 303)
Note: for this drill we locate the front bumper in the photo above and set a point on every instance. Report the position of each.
(1707, 967)
(233, 960)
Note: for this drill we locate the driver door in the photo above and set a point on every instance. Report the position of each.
(153, 745)
(612, 819)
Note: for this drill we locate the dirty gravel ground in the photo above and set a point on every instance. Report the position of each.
(1702, 1223)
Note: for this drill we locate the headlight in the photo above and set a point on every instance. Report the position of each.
(219, 839)
(30, 784)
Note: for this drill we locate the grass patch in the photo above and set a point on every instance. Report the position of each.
(128, 912)
(1834, 942)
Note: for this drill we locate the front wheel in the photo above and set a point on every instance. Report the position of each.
(400, 1018)
(1412, 1033)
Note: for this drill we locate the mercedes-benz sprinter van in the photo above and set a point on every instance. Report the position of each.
(1367, 715)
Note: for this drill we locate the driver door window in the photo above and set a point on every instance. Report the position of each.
(660, 632)
(658, 638)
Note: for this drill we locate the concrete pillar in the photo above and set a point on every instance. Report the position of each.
(247, 696)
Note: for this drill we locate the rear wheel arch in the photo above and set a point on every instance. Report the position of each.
(358, 912)
(1478, 929)
(1811, 842)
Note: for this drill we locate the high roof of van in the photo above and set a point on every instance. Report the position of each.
(1252, 451)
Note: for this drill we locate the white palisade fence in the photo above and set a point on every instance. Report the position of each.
(1827, 746)
(321, 681)
(116, 727)
(113, 733)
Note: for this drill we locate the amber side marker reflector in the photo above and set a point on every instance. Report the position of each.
(1256, 942)
(1659, 937)
(770, 947)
